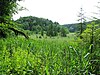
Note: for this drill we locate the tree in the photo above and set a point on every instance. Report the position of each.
(42, 32)
(81, 20)
(7, 9)
(64, 31)
(50, 30)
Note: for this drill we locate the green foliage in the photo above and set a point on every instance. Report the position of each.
(87, 34)
(58, 56)
(43, 56)
(8, 8)
(64, 32)
(52, 30)
(40, 25)
(33, 23)
(9, 29)
(4, 31)
(75, 27)
(91, 36)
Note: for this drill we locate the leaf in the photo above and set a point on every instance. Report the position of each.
(86, 55)
(90, 46)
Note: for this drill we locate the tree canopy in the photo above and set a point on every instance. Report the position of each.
(7, 9)
(41, 25)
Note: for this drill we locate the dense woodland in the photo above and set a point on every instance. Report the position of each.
(72, 49)
(42, 26)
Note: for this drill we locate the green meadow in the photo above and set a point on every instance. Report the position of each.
(44, 56)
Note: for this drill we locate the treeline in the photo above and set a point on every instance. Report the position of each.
(75, 27)
(42, 26)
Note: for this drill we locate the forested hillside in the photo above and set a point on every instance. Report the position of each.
(75, 27)
(42, 26)
(72, 27)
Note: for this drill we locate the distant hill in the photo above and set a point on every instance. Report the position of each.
(40, 25)
(76, 26)
(33, 23)
(72, 27)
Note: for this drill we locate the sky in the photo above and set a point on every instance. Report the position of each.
(61, 11)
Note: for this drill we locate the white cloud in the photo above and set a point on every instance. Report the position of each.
(62, 11)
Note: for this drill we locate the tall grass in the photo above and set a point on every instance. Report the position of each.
(51, 56)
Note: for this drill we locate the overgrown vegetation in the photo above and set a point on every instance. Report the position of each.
(47, 57)
(54, 52)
